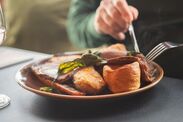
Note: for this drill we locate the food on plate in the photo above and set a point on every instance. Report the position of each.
(147, 68)
(113, 51)
(46, 72)
(110, 70)
(48, 69)
(121, 78)
(88, 80)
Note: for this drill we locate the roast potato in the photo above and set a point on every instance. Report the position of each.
(88, 80)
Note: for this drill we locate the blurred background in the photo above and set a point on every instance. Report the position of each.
(40, 25)
(36, 25)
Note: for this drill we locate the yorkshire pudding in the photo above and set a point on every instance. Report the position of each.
(122, 78)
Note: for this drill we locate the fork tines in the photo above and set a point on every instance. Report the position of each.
(156, 51)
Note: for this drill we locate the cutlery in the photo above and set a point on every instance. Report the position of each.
(133, 38)
(160, 48)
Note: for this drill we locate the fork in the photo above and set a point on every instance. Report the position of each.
(133, 38)
(160, 48)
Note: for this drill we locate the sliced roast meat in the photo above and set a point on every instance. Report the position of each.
(47, 71)
(66, 89)
(49, 68)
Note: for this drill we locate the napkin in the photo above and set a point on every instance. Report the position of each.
(10, 57)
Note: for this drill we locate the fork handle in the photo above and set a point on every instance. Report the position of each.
(133, 38)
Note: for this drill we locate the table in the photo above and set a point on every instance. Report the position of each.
(163, 103)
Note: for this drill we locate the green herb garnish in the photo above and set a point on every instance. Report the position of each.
(69, 66)
(46, 89)
(88, 59)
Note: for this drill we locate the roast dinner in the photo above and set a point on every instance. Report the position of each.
(108, 70)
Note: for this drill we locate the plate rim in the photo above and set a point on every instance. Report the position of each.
(94, 97)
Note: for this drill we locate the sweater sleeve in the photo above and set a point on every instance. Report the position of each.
(81, 29)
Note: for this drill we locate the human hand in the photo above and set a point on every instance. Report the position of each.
(113, 18)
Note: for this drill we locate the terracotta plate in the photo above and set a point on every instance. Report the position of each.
(28, 81)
